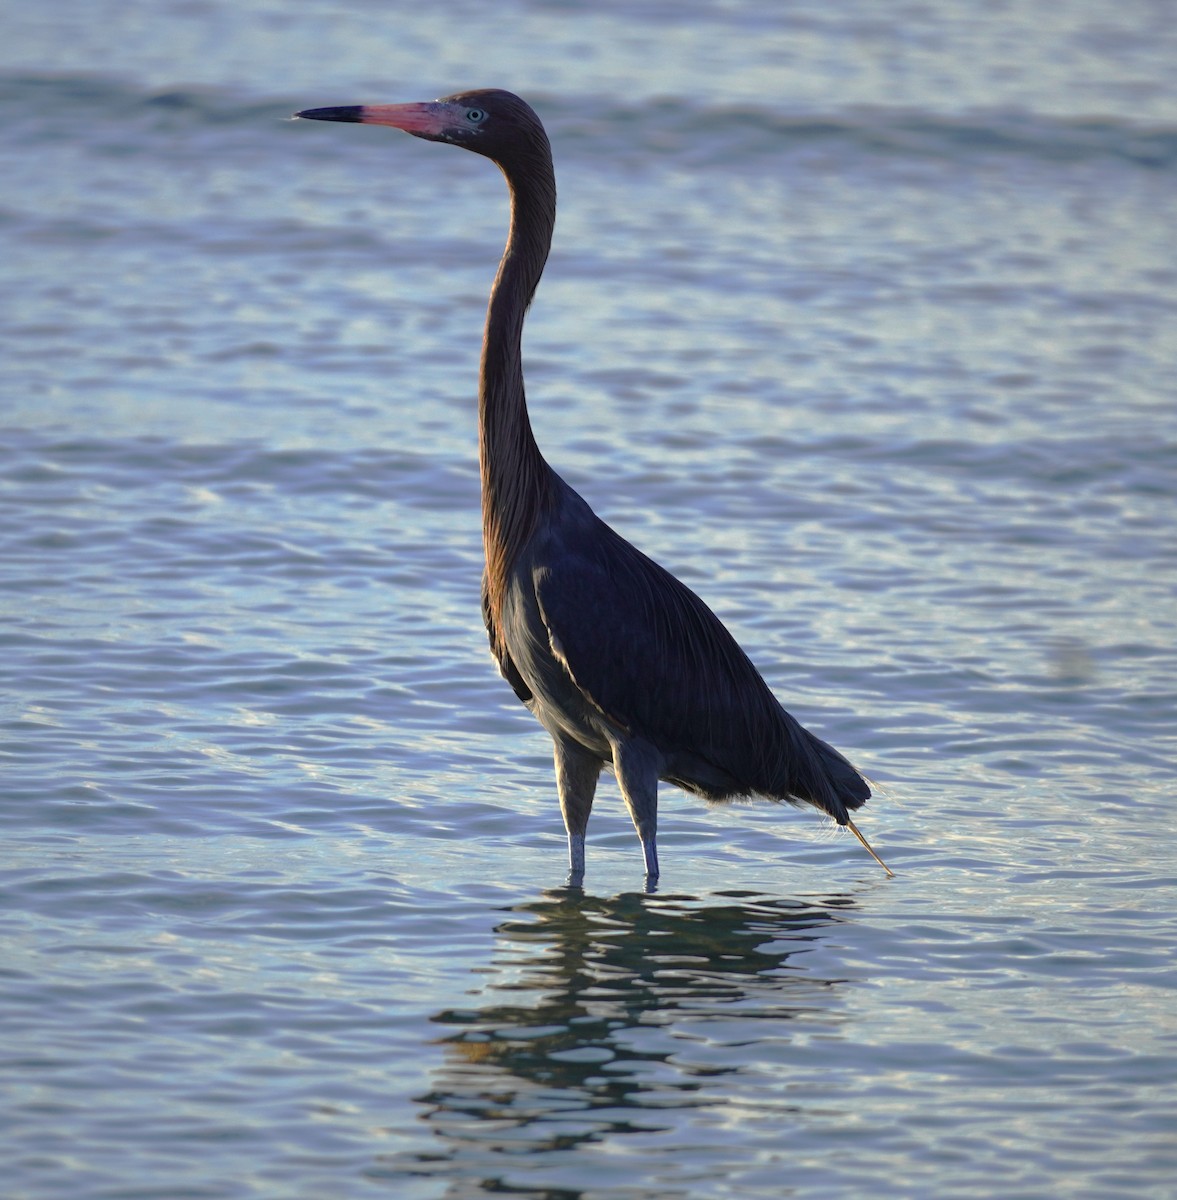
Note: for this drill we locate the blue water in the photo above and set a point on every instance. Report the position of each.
(861, 321)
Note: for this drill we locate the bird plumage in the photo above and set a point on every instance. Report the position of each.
(621, 662)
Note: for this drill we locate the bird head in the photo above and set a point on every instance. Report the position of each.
(488, 121)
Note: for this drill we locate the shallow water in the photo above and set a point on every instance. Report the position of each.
(864, 327)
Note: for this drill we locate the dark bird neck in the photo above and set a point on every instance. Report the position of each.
(517, 484)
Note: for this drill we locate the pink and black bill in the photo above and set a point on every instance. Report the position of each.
(432, 120)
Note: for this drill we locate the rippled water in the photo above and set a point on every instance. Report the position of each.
(863, 324)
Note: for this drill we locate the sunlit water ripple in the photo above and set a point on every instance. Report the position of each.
(866, 332)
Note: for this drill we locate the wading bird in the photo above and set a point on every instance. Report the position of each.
(621, 663)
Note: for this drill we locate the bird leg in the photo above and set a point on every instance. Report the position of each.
(636, 766)
(576, 782)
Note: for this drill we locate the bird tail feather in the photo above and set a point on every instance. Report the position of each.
(823, 777)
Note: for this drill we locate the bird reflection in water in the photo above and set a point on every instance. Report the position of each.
(598, 1016)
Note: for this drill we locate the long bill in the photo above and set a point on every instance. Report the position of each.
(425, 120)
(869, 849)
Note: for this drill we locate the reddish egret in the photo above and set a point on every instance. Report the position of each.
(621, 663)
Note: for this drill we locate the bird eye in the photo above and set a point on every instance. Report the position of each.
(475, 115)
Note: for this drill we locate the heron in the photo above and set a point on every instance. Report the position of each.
(623, 665)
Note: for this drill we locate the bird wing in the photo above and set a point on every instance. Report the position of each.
(651, 656)
(659, 664)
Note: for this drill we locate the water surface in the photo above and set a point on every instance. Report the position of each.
(864, 326)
